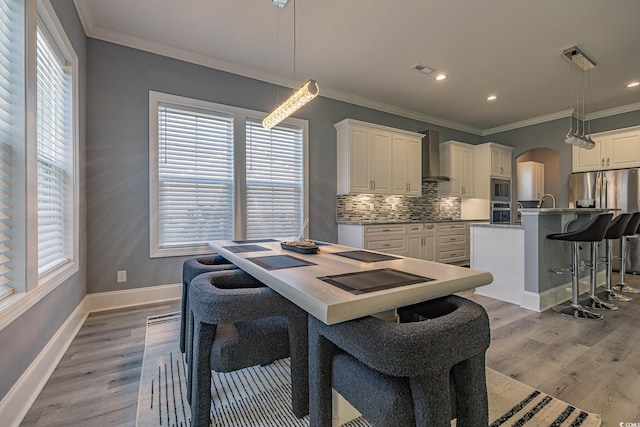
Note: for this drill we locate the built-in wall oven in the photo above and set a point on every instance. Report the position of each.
(500, 212)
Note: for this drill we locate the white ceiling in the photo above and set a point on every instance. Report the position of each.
(361, 50)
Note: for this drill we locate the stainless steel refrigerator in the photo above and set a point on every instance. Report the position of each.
(610, 189)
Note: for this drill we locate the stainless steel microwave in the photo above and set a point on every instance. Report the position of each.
(500, 190)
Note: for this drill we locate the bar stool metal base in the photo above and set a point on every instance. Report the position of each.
(613, 296)
(597, 304)
(621, 287)
(578, 312)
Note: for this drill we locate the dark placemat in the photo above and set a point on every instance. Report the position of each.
(363, 282)
(366, 256)
(246, 248)
(254, 241)
(277, 262)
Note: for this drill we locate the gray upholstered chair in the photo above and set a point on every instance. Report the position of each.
(190, 269)
(421, 373)
(237, 322)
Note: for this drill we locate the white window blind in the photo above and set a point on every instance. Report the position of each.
(195, 174)
(54, 155)
(275, 177)
(10, 49)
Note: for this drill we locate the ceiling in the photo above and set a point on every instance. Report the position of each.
(361, 51)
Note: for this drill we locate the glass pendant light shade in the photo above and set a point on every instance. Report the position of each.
(297, 100)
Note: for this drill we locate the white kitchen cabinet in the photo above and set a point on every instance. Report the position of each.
(374, 159)
(614, 150)
(407, 165)
(491, 160)
(530, 180)
(452, 242)
(456, 162)
(500, 161)
(387, 238)
(421, 241)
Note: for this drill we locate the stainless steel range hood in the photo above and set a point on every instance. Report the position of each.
(431, 157)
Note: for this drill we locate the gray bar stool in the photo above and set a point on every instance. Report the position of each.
(191, 268)
(615, 231)
(593, 231)
(632, 229)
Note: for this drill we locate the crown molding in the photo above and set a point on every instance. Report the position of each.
(613, 111)
(107, 35)
(529, 122)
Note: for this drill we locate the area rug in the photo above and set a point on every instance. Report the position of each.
(260, 396)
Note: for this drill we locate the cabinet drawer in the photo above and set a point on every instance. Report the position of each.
(452, 255)
(414, 229)
(452, 238)
(447, 229)
(384, 245)
(377, 232)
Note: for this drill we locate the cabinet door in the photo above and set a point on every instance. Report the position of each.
(505, 163)
(413, 166)
(380, 161)
(538, 181)
(456, 182)
(414, 246)
(495, 163)
(623, 150)
(359, 158)
(400, 154)
(429, 253)
(589, 160)
(466, 173)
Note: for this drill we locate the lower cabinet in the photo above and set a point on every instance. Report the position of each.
(446, 243)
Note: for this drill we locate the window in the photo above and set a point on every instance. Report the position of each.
(274, 180)
(11, 49)
(216, 174)
(55, 153)
(195, 176)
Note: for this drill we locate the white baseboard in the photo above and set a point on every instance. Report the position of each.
(131, 297)
(17, 402)
(557, 295)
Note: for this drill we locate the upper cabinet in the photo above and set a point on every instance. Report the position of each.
(530, 181)
(614, 150)
(491, 161)
(374, 159)
(456, 162)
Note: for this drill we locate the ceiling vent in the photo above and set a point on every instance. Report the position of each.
(422, 68)
(576, 56)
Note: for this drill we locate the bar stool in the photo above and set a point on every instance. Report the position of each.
(593, 231)
(632, 229)
(615, 231)
(191, 268)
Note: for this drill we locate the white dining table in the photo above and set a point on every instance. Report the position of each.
(312, 284)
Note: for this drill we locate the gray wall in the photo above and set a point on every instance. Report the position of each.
(22, 340)
(119, 82)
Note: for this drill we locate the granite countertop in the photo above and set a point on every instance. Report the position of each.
(563, 210)
(516, 226)
(414, 221)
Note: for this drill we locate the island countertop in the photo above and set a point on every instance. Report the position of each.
(530, 211)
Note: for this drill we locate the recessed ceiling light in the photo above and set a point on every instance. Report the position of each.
(633, 84)
(491, 98)
(441, 76)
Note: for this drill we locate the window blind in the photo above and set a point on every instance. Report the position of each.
(195, 174)
(275, 179)
(10, 50)
(54, 151)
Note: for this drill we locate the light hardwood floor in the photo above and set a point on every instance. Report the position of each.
(594, 365)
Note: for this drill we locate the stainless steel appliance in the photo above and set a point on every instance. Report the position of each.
(431, 157)
(610, 189)
(500, 190)
(500, 212)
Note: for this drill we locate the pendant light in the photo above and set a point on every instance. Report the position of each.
(579, 59)
(299, 97)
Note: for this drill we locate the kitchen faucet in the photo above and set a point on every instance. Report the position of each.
(543, 197)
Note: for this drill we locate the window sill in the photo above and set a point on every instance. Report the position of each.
(184, 251)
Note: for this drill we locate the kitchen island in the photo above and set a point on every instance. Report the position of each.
(522, 259)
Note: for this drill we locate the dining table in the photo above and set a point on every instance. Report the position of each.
(340, 283)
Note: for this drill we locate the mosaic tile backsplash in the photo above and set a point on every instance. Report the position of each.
(376, 208)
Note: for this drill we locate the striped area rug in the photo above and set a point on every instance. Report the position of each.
(260, 396)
